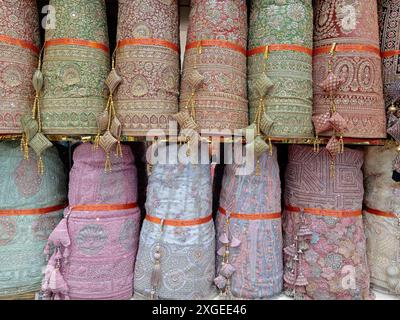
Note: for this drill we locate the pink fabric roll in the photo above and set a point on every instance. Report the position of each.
(355, 81)
(325, 246)
(95, 247)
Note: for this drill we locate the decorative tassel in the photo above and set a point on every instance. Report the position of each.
(316, 144)
(119, 149)
(107, 165)
(96, 142)
(332, 168)
(41, 166)
(341, 143)
(270, 147)
(258, 168)
(155, 278)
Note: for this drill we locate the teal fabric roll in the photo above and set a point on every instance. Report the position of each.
(23, 237)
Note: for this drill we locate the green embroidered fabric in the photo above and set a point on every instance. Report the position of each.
(289, 102)
(74, 90)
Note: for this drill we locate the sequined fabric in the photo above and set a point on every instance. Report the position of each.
(23, 237)
(289, 101)
(18, 22)
(353, 26)
(331, 263)
(216, 48)
(74, 92)
(258, 259)
(97, 248)
(148, 61)
(382, 232)
(187, 263)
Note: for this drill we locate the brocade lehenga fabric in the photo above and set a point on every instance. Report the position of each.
(213, 87)
(19, 48)
(348, 89)
(280, 62)
(249, 227)
(75, 66)
(31, 206)
(176, 257)
(382, 219)
(389, 21)
(94, 246)
(149, 64)
(324, 243)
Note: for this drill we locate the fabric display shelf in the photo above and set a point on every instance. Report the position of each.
(19, 49)
(213, 88)
(148, 62)
(280, 66)
(75, 67)
(324, 244)
(249, 232)
(382, 219)
(30, 208)
(95, 244)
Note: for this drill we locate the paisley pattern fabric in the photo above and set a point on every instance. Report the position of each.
(148, 61)
(382, 232)
(19, 48)
(258, 259)
(96, 248)
(289, 101)
(353, 26)
(332, 263)
(389, 15)
(177, 192)
(23, 237)
(75, 65)
(216, 48)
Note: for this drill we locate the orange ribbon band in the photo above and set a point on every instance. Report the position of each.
(104, 207)
(326, 212)
(348, 47)
(390, 53)
(380, 213)
(31, 212)
(178, 223)
(251, 216)
(216, 43)
(280, 47)
(76, 42)
(18, 42)
(149, 42)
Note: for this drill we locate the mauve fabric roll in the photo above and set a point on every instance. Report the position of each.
(95, 244)
(19, 48)
(325, 248)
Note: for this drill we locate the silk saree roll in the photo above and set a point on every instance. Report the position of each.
(280, 59)
(249, 227)
(95, 244)
(389, 15)
(347, 70)
(325, 247)
(176, 258)
(19, 48)
(31, 206)
(213, 87)
(75, 66)
(382, 219)
(149, 64)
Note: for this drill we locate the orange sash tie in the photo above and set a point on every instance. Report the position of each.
(216, 43)
(18, 42)
(280, 47)
(252, 216)
(104, 207)
(148, 41)
(179, 223)
(76, 42)
(348, 48)
(390, 53)
(326, 212)
(380, 213)
(31, 212)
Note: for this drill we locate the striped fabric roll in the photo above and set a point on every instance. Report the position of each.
(95, 244)
(214, 73)
(75, 65)
(19, 47)
(382, 218)
(325, 246)
(30, 208)
(148, 62)
(280, 48)
(347, 69)
(176, 251)
(249, 227)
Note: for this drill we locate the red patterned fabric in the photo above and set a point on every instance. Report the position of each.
(19, 47)
(353, 26)
(221, 28)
